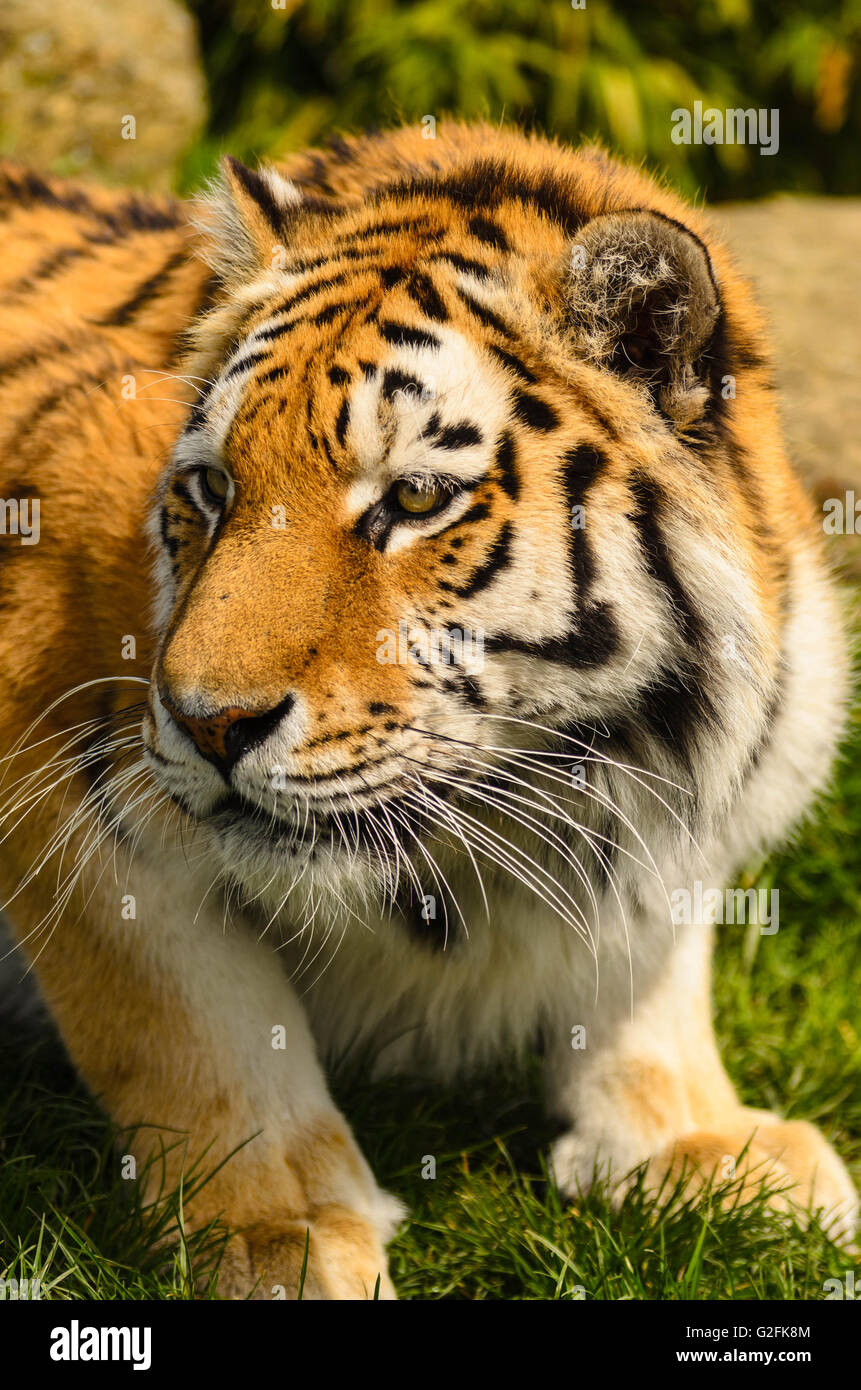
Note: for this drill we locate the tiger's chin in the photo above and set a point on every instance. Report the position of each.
(322, 861)
(329, 859)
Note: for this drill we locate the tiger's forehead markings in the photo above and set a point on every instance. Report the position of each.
(427, 225)
(401, 249)
(430, 408)
(445, 369)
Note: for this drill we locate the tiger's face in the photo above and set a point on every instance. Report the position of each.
(413, 525)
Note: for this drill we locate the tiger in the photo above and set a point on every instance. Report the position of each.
(407, 604)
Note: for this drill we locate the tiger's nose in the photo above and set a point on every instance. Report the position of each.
(225, 736)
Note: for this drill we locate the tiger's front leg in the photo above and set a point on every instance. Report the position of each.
(648, 1088)
(192, 1038)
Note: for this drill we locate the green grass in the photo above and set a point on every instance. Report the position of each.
(490, 1225)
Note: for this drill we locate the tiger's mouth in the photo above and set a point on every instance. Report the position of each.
(234, 812)
(363, 828)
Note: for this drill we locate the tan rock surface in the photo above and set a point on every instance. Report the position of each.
(71, 73)
(803, 256)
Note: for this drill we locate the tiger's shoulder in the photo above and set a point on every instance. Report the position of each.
(80, 262)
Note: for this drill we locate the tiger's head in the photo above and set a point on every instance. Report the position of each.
(463, 518)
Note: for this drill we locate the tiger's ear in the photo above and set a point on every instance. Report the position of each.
(246, 220)
(641, 300)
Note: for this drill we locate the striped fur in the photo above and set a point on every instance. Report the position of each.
(465, 845)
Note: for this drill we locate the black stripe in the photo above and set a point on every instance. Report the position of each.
(327, 450)
(506, 466)
(170, 543)
(138, 216)
(316, 175)
(487, 183)
(244, 363)
(51, 266)
(331, 311)
(20, 490)
(339, 376)
(57, 396)
(303, 265)
(676, 708)
(462, 436)
(394, 380)
(498, 558)
(308, 291)
(179, 488)
(469, 267)
(26, 189)
(342, 422)
(401, 335)
(274, 374)
(581, 465)
(484, 315)
(485, 230)
(258, 189)
(34, 356)
(337, 145)
(590, 407)
(470, 690)
(513, 363)
(197, 416)
(392, 275)
(595, 638)
(592, 645)
(596, 625)
(149, 289)
(647, 518)
(368, 254)
(390, 226)
(479, 511)
(534, 412)
(423, 292)
(278, 330)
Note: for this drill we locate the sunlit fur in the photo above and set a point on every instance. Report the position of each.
(432, 862)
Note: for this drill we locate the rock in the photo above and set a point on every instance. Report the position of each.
(72, 75)
(802, 256)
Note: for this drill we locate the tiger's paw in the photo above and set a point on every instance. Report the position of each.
(802, 1173)
(334, 1255)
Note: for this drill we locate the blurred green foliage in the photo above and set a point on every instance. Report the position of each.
(285, 77)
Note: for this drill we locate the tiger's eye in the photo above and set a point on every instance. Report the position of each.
(216, 484)
(418, 498)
